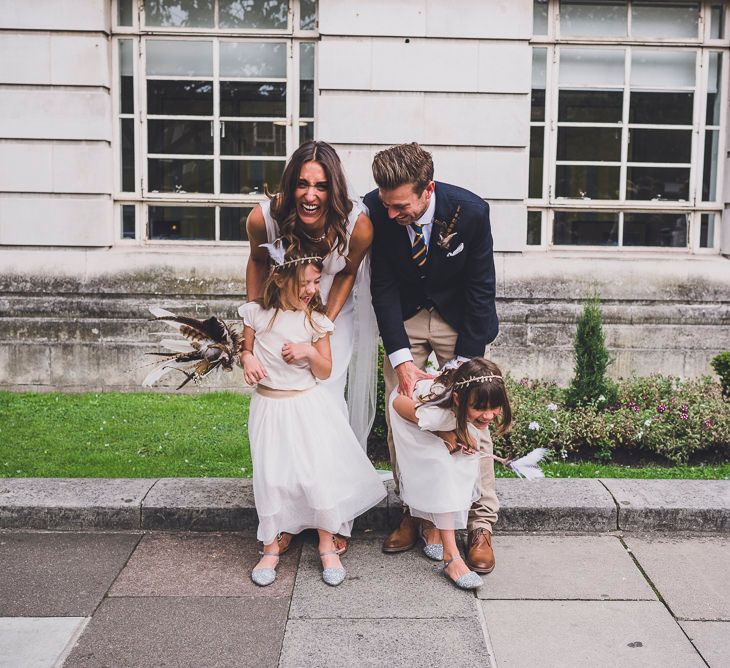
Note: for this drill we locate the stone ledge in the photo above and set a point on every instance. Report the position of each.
(227, 504)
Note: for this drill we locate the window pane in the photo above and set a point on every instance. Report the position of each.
(661, 108)
(308, 14)
(540, 17)
(125, 16)
(592, 181)
(664, 19)
(126, 77)
(127, 155)
(589, 144)
(593, 17)
(251, 98)
(306, 131)
(655, 229)
(253, 59)
(250, 176)
(660, 145)
(537, 135)
(537, 108)
(539, 68)
(180, 58)
(180, 98)
(591, 67)
(269, 15)
(648, 183)
(256, 138)
(179, 137)
(534, 228)
(179, 13)
(233, 223)
(713, 89)
(662, 69)
(181, 222)
(717, 27)
(585, 228)
(709, 178)
(306, 79)
(129, 222)
(169, 175)
(590, 106)
(707, 230)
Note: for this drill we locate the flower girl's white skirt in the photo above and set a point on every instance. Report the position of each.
(309, 471)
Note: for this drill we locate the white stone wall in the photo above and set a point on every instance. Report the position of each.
(56, 164)
(454, 76)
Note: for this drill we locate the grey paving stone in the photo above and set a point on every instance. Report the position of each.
(672, 505)
(567, 634)
(690, 572)
(72, 503)
(210, 632)
(555, 505)
(203, 564)
(564, 567)
(712, 640)
(59, 574)
(200, 504)
(36, 642)
(326, 643)
(378, 586)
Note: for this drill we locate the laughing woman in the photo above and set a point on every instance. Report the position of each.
(314, 211)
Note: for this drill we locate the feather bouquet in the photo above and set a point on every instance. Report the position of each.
(527, 467)
(207, 345)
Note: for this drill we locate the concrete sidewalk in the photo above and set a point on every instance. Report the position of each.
(185, 599)
(226, 504)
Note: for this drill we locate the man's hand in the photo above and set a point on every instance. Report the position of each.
(253, 372)
(408, 375)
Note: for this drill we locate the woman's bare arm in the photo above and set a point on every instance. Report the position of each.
(258, 260)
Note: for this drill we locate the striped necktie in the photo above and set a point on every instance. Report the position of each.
(419, 252)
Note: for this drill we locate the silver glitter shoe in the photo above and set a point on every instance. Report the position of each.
(470, 580)
(332, 576)
(263, 577)
(433, 551)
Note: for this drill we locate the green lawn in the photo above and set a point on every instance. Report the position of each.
(174, 435)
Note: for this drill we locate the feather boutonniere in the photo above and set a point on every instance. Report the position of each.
(446, 230)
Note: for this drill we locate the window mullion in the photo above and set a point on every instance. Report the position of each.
(292, 96)
(699, 111)
(552, 95)
(217, 127)
(623, 172)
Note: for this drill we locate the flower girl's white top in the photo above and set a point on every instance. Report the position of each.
(272, 333)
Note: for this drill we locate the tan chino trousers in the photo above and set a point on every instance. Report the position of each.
(429, 332)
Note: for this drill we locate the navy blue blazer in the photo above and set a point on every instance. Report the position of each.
(459, 283)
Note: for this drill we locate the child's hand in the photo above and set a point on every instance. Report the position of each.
(452, 444)
(253, 372)
(296, 352)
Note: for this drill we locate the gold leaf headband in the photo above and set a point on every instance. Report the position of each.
(308, 258)
(477, 379)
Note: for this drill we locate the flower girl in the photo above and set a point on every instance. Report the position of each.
(309, 469)
(437, 483)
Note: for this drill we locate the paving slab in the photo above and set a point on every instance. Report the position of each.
(712, 640)
(36, 642)
(59, 574)
(576, 634)
(210, 632)
(564, 567)
(555, 505)
(72, 503)
(204, 564)
(690, 572)
(326, 643)
(671, 505)
(378, 586)
(200, 504)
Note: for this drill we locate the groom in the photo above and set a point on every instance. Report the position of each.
(433, 288)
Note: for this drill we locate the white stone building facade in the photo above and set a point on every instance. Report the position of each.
(136, 135)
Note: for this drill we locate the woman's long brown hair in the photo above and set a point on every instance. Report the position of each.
(339, 205)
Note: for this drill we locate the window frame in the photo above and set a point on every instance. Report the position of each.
(293, 36)
(548, 203)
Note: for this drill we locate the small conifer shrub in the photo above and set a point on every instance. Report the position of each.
(721, 365)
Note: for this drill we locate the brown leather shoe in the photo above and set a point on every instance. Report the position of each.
(481, 555)
(341, 544)
(284, 540)
(404, 537)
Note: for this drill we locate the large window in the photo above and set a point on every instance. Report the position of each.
(211, 97)
(627, 99)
